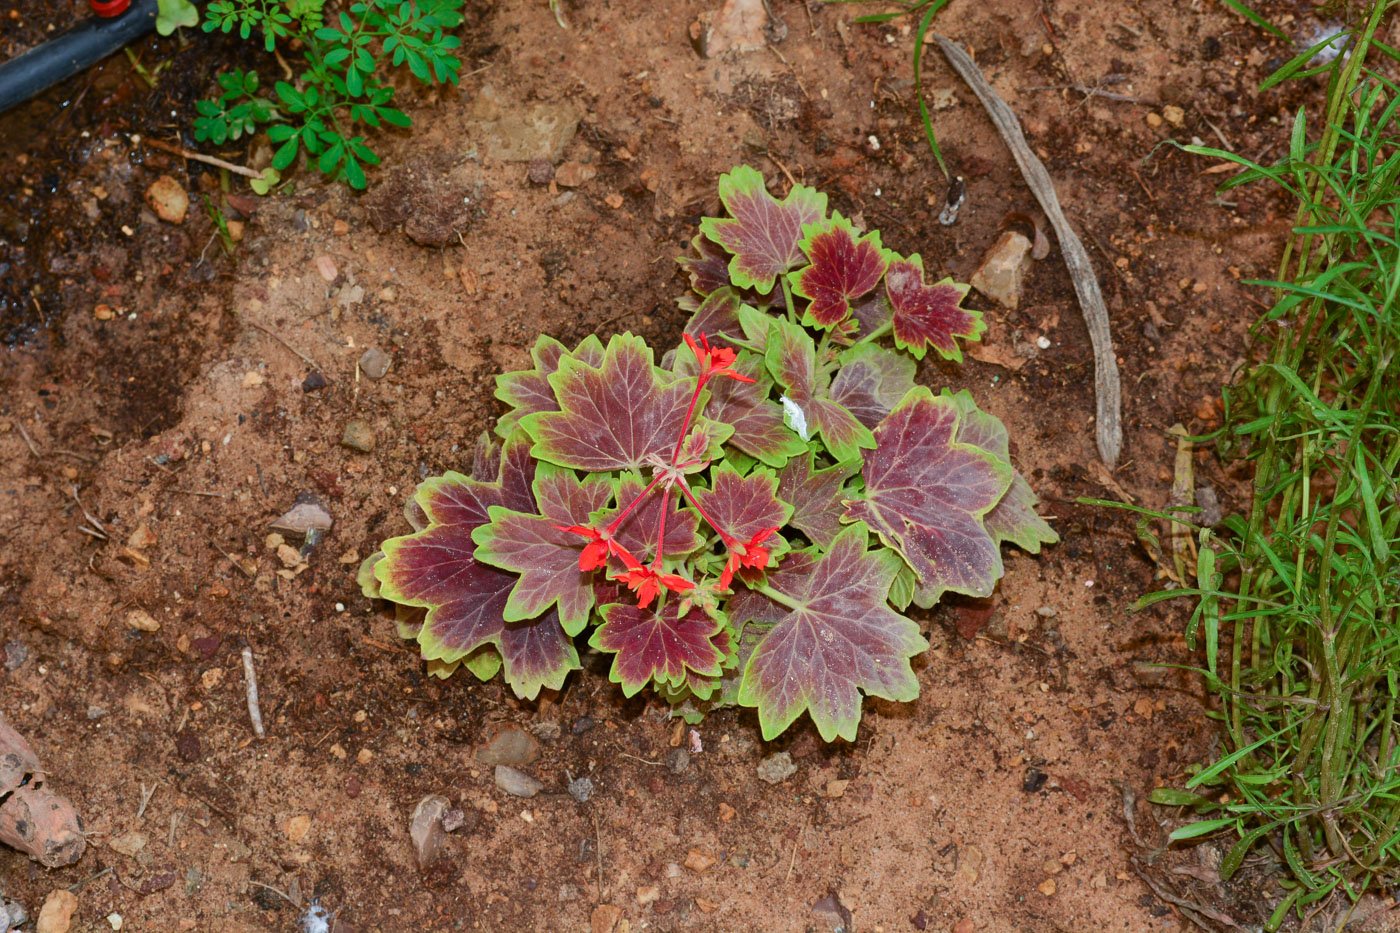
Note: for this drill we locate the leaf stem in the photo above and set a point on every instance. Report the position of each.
(787, 297)
(661, 527)
(729, 540)
(878, 332)
(779, 598)
(689, 413)
(621, 516)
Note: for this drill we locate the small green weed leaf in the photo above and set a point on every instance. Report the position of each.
(173, 14)
(1200, 828)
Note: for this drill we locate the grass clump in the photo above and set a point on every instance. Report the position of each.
(1296, 602)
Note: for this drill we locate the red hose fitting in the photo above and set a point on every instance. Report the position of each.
(109, 8)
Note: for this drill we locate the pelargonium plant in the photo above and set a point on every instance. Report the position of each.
(743, 521)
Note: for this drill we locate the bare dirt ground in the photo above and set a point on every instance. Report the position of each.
(146, 376)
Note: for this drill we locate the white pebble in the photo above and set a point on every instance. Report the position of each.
(1043, 342)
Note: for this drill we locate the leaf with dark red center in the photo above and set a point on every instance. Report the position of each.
(452, 499)
(707, 265)
(615, 415)
(1013, 518)
(546, 558)
(743, 506)
(844, 266)
(791, 358)
(817, 496)
(757, 420)
(717, 318)
(926, 495)
(528, 390)
(762, 232)
(436, 569)
(871, 382)
(466, 602)
(839, 639)
(657, 644)
(637, 533)
(928, 315)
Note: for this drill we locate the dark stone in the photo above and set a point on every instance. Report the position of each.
(1035, 780)
(313, 382)
(540, 171)
(582, 725)
(187, 746)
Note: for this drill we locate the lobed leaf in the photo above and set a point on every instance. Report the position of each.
(546, 558)
(844, 266)
(747, 407)
(435, 568)
(871, 382)
(616, 415)
(707, 265)
(762, 232)
(658, 644)
(928, 315)
(637, 533)
(528, 391)
(838, 640)
(926, 495)
(1013, 518)
(817, 496)
(744, 505)
(791, 358)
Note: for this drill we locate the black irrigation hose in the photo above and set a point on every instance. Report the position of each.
(70, 52)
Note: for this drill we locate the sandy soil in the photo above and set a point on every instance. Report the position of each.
(995, 802)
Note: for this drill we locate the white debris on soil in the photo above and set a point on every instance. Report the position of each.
(315, 920)
(1321, 32)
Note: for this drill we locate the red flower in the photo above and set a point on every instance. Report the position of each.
(746, 554)
(595, 552)
(647, 583)
(714, 361)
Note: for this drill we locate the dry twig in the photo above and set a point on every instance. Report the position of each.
(197, 157)
(1107, 391)
(250, 679)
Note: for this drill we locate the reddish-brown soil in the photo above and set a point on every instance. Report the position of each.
(995, 802)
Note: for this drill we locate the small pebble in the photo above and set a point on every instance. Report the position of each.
(540, 171)
(374, 363)
(358, 436)
(776, 768)
(56, 916)
(425, 829)
(677, 760)
(580, 726)
(454, 820)
(581, 789)
(511, 747)
(313, 381)
(142, 621)
(516, 783)
(15, 654)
